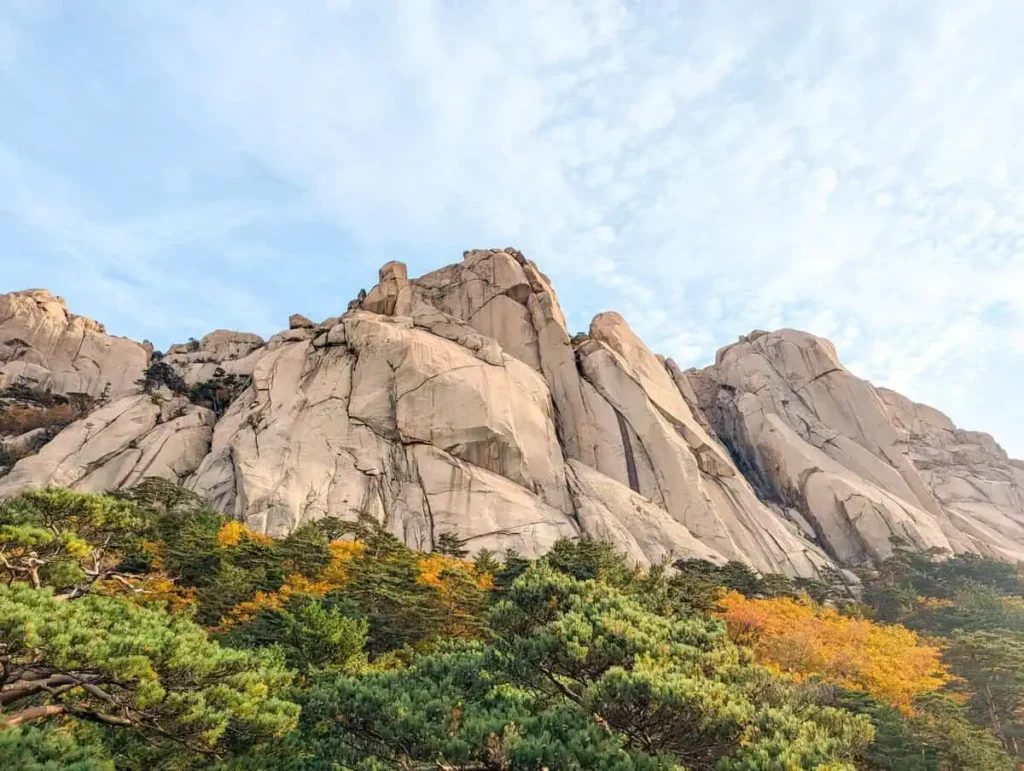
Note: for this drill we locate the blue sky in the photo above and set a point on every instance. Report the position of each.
(853, 169)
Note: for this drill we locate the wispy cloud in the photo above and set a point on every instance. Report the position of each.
(125, 266)
(706, 168)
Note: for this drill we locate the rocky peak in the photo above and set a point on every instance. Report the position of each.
(46, 348)
(855, 461)
(49, 303)
(221, 351)
(456, 402)
(221, 344)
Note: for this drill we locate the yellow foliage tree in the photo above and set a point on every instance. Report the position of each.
(334, 576)
(342, 555)
(461, 590)
(803, 639)
(231, 534)
(446, 574)
(153, 587)
(294, 585)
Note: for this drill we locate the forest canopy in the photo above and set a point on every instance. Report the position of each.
(147, 630)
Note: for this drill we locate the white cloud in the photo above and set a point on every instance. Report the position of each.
(706, 168)
(122, 264)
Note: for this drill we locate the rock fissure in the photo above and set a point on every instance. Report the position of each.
(505, 531)
(427, 509)
(816, 378)
(627, 449)
(445, 373)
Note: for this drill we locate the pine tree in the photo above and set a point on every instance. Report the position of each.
(580, 675)
(450, 545)
(993, 666)
(66, 540)
(128, 668)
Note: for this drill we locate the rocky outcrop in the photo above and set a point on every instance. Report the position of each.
(505, 297)
(394, 422)
(43, 346)
(977, 486)
(24, 444)
(221, 351)
(827, 445)
(118, 446)
(652, 442)
(617, 409)
(610, 511)
(458, 402)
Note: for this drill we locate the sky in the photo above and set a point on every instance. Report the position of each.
(704, 168)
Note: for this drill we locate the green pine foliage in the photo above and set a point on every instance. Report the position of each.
(938, 737)
(45, 749)
(117, 664)
(577, 675)
(976, 605)
(65, 540)
(147, 631)
(643, 674)
(313, 634)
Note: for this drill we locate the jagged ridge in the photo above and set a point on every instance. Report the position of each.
(458, 402)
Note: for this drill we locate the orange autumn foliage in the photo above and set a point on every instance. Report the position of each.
(459, 592)
(460, 589)
(445, 573)
(333, 577)
(342, 554)
(294, 585)
(155, 550)
(801, 639)
(232, 533)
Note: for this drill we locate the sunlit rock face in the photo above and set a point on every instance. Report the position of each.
(45, 346)
(458, 402)
(857, 464)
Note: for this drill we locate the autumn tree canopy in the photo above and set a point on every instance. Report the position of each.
(147, 631)
(803, 639)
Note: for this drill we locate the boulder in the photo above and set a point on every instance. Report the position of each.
(976, 484)
(222, 351)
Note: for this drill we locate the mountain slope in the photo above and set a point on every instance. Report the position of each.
(457, 402)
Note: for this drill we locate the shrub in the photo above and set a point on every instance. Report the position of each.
(159, 374)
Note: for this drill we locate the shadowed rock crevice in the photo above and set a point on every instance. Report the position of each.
(627, 447)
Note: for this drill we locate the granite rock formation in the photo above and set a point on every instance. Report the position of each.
(856, 465)
(458, 402)
(43, 345)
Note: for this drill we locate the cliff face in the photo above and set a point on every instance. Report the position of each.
(457, 402)
(855, 464)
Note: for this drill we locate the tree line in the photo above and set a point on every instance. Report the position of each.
(145, 630)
